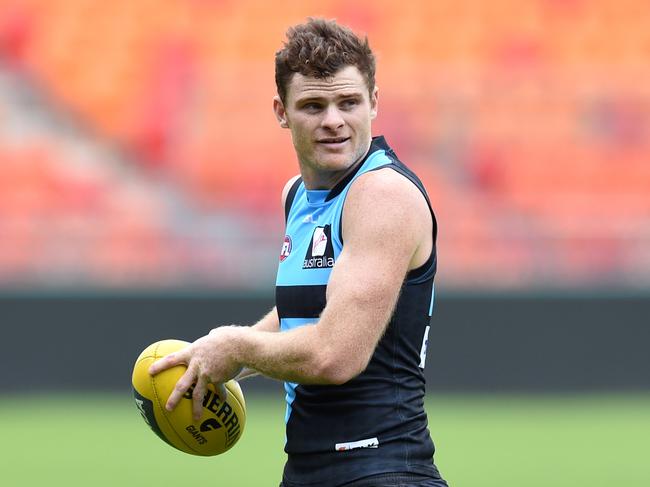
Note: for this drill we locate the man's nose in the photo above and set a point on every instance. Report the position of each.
(332, 118)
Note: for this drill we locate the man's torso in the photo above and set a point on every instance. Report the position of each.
(376, 422)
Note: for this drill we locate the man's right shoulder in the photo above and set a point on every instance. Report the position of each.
(287, 188)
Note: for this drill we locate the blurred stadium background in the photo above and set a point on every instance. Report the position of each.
(140, 173)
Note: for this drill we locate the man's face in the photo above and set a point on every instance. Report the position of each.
(329, 121)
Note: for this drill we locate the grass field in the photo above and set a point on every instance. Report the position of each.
(482, 441)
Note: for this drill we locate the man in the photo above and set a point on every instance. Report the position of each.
(354, 289)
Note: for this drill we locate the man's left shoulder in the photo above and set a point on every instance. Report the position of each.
(385, 186)
(383, 204)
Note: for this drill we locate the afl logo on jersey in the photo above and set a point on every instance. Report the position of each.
(286, 248)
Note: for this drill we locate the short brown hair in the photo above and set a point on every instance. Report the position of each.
(320, 48)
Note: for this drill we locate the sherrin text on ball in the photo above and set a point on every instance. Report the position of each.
(221, 423)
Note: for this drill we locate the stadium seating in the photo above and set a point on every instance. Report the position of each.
(527, 121)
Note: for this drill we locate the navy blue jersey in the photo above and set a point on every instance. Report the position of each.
(376, 422)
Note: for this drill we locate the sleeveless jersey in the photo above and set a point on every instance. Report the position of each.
(376, 422)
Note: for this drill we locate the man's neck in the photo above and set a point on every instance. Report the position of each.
(314, 179)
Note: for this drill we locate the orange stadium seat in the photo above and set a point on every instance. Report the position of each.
(527, 120)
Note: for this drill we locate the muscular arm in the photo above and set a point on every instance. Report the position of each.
(387, 231)
(386, 234)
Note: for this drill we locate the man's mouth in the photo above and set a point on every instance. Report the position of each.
(333, 140)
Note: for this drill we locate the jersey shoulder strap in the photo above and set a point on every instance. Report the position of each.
(290, 197)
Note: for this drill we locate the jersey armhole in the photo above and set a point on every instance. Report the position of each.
(291, 194)
(428, 269)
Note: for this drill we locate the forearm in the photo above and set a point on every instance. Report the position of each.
(322, 353)
(297, 355)
(269, 323)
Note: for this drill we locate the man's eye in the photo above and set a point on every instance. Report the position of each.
(351, 103)
(312, 106)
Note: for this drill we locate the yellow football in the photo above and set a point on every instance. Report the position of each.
(221, 424)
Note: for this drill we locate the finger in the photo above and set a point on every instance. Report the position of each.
(167, 362)
(181, 387)
(197, 397)
(220, 390)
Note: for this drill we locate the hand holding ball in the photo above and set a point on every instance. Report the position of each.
(221, 423)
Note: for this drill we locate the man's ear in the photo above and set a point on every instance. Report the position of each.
(280, 112)
(374, 103)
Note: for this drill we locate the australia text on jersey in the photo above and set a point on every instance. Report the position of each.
(320, 254)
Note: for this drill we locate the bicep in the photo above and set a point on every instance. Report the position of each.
(380, 242)
(361, 296)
